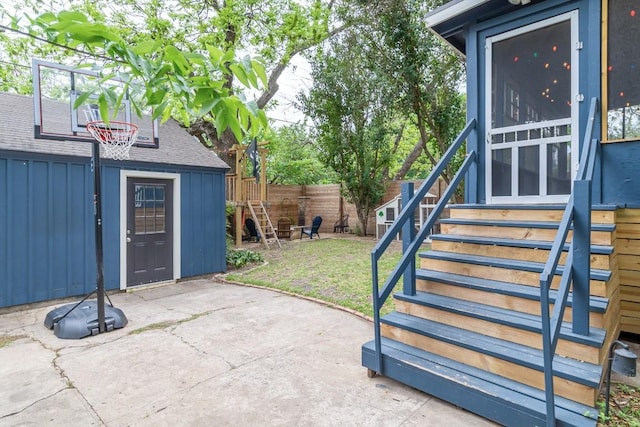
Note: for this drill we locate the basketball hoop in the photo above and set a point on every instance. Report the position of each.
(116, 137)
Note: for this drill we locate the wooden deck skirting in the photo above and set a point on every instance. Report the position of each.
(627, 246)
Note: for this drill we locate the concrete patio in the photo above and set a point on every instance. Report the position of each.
(202, 352)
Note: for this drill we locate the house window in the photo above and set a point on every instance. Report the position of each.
(512, 104)
(150, 209)
(391, 214)
(620, 76)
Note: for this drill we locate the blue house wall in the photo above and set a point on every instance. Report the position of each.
(616, 180)
(47, 248)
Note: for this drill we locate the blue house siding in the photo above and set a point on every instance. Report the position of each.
(44, 218)
(620, 173)
(47, 249)
(204, 248)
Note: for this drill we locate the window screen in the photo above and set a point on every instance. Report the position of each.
(623, 66)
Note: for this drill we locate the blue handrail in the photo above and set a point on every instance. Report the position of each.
(409, 206)
(577, 214)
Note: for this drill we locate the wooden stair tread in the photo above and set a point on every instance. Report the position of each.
(520, 224)
(597, 304)
(535, 267)
(570, 369)
(551, 207)
(493, 396)
(501, 316)
(516, 243)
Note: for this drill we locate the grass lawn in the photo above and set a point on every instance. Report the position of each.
(337, 270)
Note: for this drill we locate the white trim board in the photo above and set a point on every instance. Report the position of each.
(177, 232)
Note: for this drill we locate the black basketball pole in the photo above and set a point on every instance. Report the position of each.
(97, 212)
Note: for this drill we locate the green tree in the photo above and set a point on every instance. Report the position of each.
(293, 158)
(183, 84)
(352, 109)
(275, 30)
(426, 75)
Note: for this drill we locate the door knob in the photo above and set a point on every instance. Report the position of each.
(128, 239)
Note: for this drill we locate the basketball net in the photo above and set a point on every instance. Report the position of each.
(116, 137)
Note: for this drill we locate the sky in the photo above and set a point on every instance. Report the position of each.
(296, 78)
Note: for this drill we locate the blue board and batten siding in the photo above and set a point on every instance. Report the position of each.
(46, 218)
(203, 247)
(44, 253)
(617, 179)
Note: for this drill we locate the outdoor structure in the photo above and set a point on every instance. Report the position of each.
(527, 287)
(388, 212)
(163, 208)
(248, 193)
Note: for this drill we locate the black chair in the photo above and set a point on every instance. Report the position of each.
(253, 232)
(315, 226)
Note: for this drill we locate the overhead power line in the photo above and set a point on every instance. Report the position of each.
(40, 39)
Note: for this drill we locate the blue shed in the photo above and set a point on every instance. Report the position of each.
(515, 310)
(163, 211)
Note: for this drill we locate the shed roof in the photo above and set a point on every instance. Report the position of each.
(177, 146)
(449, 20)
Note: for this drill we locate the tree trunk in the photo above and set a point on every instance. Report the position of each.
(409, 161)
(364, 219)
(207, 134)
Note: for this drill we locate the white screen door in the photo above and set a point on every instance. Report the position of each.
(532, 112)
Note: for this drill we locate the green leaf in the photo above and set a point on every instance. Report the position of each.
(222, 120)
(81, 99)
(146, 47)
(260, 71)
(166, 113)
(46, 18)
(239, 72)
(228, 56)
(215, 54)
(185, 117)
(66, 15)
(246, 62)
(104, 108)
(157, 96)
(252, 106)
(178, 59)
(209, 105)
(235, 127)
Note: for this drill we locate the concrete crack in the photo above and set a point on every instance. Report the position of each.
(32, 404)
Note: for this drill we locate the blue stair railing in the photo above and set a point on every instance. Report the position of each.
(577, 215)
(412, 240)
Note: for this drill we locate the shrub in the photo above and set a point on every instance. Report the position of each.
(238, 258)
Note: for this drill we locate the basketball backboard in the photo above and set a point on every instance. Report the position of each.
(56, 88)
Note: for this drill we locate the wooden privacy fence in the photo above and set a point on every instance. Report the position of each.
(300, 203)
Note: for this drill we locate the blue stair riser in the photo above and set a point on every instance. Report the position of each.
(513, 231)
(515, 371)
(535, 254)
(508, 331)
(520, 277)
(524, 305)
(489, 396)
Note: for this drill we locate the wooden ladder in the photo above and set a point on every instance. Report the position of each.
(263, 223)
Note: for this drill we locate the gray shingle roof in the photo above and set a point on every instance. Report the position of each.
(177, 147)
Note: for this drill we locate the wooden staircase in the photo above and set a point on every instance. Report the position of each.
(471, 334)
(267, 233)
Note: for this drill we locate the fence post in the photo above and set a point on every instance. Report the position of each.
(581, 256)
(408, 235)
